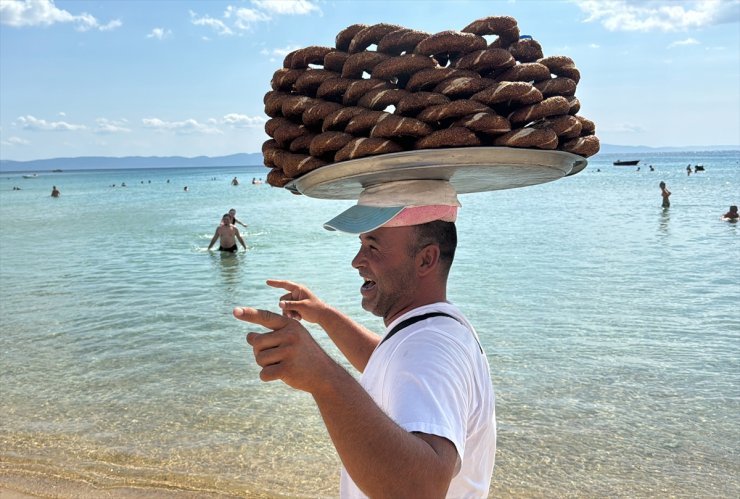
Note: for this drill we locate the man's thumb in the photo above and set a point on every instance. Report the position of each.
(290, 309)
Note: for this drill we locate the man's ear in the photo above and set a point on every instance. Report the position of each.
(427, 259)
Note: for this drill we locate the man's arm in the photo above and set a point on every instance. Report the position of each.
(239, 237)
(354, 341)
(213, 240)
(381, 457)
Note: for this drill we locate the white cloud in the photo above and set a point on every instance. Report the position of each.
(24, 13)
(106, 126)
(243, 121)
(659, 15)
(625, 128)
(160, 33)
(32, 123)
(243, 18)
(688, 41)
(16, 141)
(186, 127)
(219, 26)
(286, 7)
(116, 23)
(594, 45)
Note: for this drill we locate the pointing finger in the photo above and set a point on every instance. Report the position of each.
(287, 285)
(262, 317)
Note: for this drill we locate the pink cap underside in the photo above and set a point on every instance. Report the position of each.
(416, 215)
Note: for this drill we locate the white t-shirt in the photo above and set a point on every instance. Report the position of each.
(432, 377)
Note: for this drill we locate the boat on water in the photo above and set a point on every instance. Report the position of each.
(57, 171)
(31, 175)
(631, 162)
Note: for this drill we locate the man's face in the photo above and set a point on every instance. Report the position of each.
(226, 220)
(387, 267)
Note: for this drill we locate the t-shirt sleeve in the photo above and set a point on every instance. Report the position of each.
(430, 386)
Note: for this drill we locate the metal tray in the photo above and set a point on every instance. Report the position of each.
(468, 169)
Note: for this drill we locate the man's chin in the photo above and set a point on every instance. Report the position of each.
(370, 308)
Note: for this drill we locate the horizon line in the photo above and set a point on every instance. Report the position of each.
(717, 147)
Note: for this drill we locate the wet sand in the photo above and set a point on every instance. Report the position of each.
(18, 485)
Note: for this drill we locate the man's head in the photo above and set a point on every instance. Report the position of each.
(226, 219)
(407, 243)
(404, 267)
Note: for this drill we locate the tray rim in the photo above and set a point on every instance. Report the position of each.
(432, 163)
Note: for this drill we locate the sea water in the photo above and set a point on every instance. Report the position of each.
(611, 326)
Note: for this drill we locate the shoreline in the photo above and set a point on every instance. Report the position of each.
(23, 485)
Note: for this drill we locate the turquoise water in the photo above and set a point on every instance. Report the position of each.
(611, 325)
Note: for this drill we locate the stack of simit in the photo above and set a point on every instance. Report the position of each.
(420, 91)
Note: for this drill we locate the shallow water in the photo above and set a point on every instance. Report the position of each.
(611, 326)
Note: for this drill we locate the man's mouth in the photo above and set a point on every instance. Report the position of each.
(368, 285)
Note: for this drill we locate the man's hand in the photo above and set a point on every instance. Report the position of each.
(299, 303)
(288, 353)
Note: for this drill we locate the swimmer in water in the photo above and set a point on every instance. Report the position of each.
(732, 215)
(229, 234)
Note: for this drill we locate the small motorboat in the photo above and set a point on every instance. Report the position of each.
(631, 162)
(31, 175)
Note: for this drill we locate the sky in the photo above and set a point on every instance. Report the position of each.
(187, 78)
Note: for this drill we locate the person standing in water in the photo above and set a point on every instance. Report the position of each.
(235, 220)
(666, 194)
(229, 234)
(55, 192)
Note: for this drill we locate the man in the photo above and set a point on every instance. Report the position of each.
(228, 233)
(421, 421)
(55, 192)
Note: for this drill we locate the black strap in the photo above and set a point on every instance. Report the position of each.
(413, 320)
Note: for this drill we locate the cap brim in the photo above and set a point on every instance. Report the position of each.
(359, 218)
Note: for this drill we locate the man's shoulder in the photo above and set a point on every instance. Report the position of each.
(443, 325)
(438, 309)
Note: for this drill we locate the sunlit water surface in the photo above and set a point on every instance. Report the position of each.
(611, 326)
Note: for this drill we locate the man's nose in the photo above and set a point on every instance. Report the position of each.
(357, 260)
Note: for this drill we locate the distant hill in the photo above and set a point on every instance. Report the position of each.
(102, 162)
(611, 149)
(247, 159)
